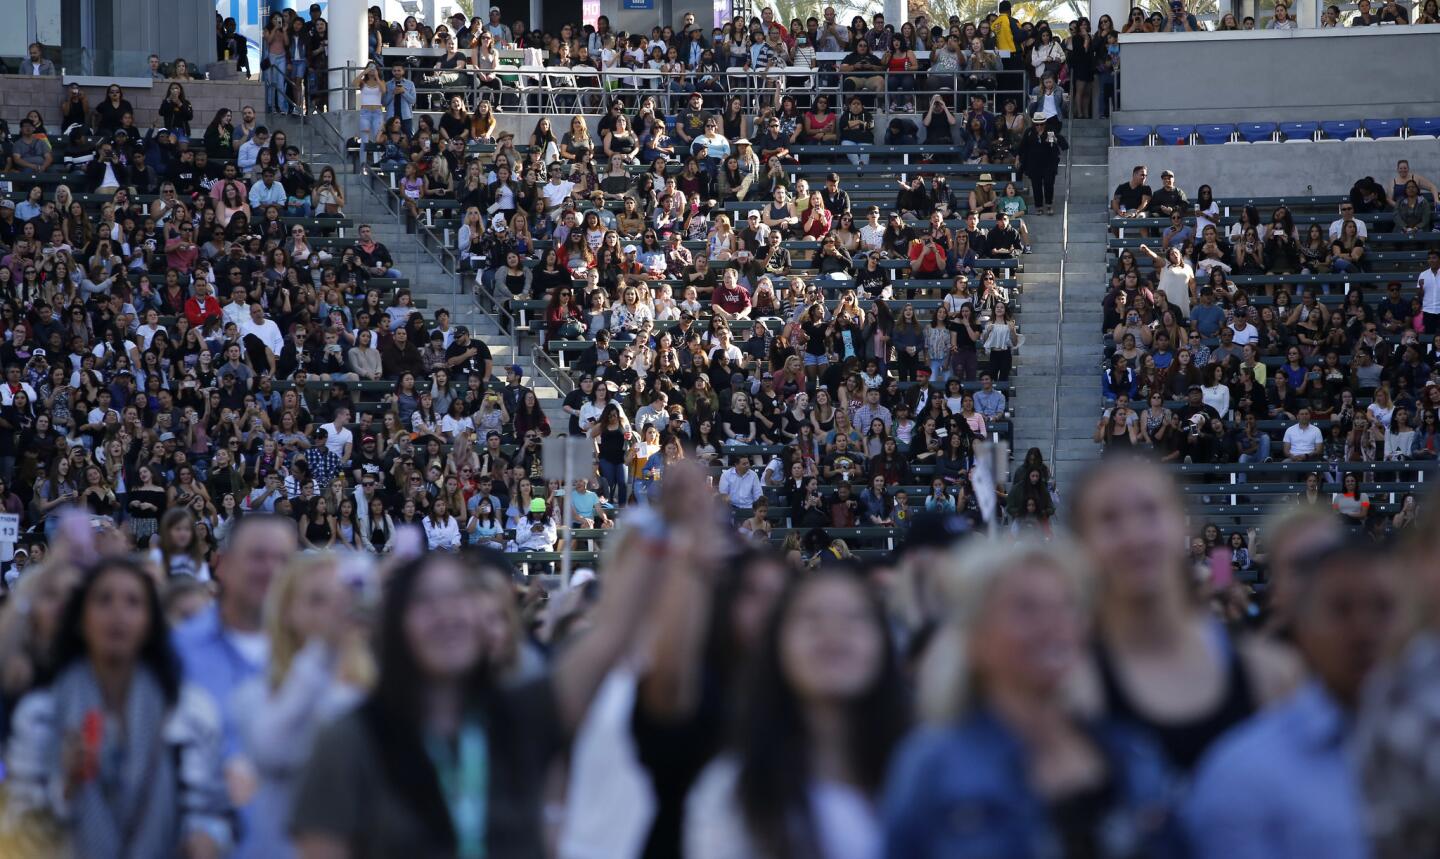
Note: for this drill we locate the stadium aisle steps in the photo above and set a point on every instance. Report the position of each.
(1084, 284)
(430, 283)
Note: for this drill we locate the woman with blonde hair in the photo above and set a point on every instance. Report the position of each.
(1160, 661)
(319, 669)
(994, 684)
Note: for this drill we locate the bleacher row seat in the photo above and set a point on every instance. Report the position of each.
(1411, 128)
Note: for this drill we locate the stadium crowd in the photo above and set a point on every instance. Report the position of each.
(206, 373)
(1305, 337)
(1107, 698)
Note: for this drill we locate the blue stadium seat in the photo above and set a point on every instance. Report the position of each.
(1378, 128)
(1423, 124)
(1298, 130)
(1132, 135)
(1167, 134)
(1256, 132)
(1340, 129)
(1213, 134)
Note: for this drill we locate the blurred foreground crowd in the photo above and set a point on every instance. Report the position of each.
(962, 697)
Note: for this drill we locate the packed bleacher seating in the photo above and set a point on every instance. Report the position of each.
(785, 352)
(255, 349)
(1277, 348)
(699, 237)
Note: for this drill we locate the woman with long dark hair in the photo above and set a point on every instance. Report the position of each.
(112, 748)
(825, 708)
(612, 436)
(697, 665)
(458, 759)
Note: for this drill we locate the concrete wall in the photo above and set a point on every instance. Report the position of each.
(1274, 75)
(20, 94)
(1268, 170)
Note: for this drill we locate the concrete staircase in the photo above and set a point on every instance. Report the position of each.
(1057, 401)
(430, 283)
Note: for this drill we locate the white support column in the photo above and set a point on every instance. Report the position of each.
(895, 12)
(1118, 10)
(349, 47)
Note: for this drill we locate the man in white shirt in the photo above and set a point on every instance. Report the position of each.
(1303, 440)
(238, 310)
(337, 434)
(740, 488)
(267, 337)
(557, 190)
(872, 235)
(1430, 293)
(1347, 213)
(1245, 333)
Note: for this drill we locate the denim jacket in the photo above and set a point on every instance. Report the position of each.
(961, 791)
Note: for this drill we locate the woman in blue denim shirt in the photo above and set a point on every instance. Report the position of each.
(1013, 772)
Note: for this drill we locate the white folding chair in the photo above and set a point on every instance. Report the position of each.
(531, 81)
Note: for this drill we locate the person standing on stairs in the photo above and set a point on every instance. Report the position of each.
(1040, 160)
(399, 98)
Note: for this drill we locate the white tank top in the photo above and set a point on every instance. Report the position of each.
(370, 96)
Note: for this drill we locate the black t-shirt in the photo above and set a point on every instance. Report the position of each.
(186, 178)
(456, 61)
(476, 363)
(365, 762)
(818, 341)
(372, 464)
(692, 122)
(857, 60)
(1129, 197)
(1172, 198)
(454, 126)
(576, 400)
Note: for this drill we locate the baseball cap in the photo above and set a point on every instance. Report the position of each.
(630, 249)
(369, 439)
(515, 368)
(497, 223)
(7, 204)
